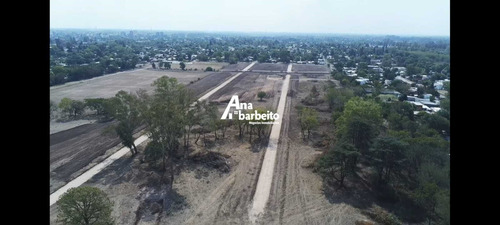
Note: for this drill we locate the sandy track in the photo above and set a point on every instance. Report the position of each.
(297, 195)
(265, 178)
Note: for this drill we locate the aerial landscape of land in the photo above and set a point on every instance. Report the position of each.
(363, 135)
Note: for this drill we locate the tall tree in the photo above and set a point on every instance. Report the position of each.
(339, 162)
(164, 116)
(388, 157)
(359, 122)
(308, 119)
(127, 112)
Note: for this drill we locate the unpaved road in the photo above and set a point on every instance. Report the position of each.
(266, 173)
(297, 195)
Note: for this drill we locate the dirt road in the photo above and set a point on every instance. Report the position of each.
(266, 173)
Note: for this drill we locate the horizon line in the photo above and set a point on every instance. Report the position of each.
(252, 32)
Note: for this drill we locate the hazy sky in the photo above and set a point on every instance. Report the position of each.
(398, 17)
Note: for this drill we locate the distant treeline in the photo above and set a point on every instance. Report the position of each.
(63, 74)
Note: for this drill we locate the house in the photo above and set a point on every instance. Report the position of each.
(390, 92)
(438, 85)
(362, 80)
(404, 80)
(387, 82)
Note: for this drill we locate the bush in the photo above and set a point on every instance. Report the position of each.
(209, 69)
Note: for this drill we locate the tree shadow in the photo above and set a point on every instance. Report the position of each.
(363, 193)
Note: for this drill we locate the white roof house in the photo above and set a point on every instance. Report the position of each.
(362, 80)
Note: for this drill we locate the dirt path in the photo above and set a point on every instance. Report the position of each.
(297, 193)
(266, 174)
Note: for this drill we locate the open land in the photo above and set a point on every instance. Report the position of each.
(207, 194)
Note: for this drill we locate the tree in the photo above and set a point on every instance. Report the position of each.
(338, 97)
(168, 65)
(209, 69)
(53, 108)
(260, 128)
(126, 111)
(164, 114)
(388, 156)
(359, 122)
(241, 125)
(85, 205)
(213, 120)
(77, 107)
(314, 92)
(182, 65)
(192, 118)
(154, 66)
(339, 162)
(65, 105)
(308, 119)
(261, 95)
(96, 104)
(427, 197)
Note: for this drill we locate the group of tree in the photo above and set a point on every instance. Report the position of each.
(399, 147)
(308, 120)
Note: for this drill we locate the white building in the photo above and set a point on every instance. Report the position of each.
(362, 80)
(404, 80)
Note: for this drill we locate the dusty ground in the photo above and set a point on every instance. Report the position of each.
(108, 85)
(247, 85)
(297, 193)
(201, 65)
(309, 68)
(74, 150)
(276, 67)
(208, 82)
(77, 145)
(235, 67)
(58, 126)
(205, 195)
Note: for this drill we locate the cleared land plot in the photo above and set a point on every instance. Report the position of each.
(202, 194)
(246, 86)
(236, 67)
(200, 65)
(309, 68)
(312, 76)
(270, 67)
(209, 82)
(107, 86)
(73, 149)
